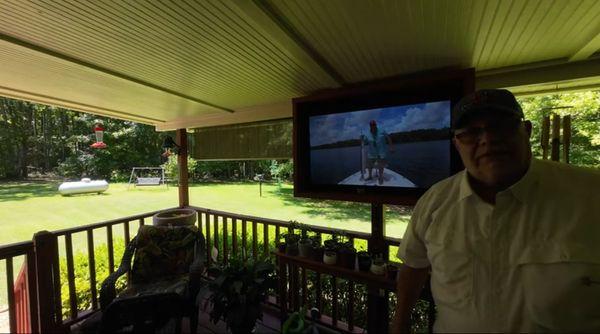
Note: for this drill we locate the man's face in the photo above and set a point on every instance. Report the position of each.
(373, 128)
(494, 149)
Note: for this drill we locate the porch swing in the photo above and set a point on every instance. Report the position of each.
(147, 176)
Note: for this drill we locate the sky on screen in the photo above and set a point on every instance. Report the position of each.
(326, 129)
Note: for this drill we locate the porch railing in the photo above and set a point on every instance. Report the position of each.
(232, 234)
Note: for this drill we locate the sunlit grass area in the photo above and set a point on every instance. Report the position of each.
(29, 207)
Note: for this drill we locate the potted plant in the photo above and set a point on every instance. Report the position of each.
(316, 249)
(378, 266)
(330, 257)
(291, 243)
(364, 260)
(331, 244)
(280, 244)
(305, 243)
(237, 291)
(347, 255)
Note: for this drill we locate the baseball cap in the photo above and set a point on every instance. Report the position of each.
(485, 101)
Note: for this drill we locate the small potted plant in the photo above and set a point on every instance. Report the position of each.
(364, 260)
(332, 243)
(291, 244)
(305, 243)
(378, 266)
(281, 244)
(330, 257)
(317, 250)
(347, 255)
(237, 292)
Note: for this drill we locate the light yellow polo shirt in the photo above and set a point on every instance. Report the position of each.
(530, 263)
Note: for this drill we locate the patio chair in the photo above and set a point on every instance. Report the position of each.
(164, 280)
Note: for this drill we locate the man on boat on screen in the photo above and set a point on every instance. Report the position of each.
(377, 147)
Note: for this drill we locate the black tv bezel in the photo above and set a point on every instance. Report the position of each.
(432, 86)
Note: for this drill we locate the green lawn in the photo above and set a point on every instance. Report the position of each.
(26, 208)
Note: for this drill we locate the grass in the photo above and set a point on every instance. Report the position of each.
(28, 207)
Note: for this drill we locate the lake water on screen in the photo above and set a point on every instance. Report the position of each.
(424, 163)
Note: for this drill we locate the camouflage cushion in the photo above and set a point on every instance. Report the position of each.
(163, 252)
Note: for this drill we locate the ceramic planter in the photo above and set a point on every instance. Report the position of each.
(347, 258)
(281, 247)
(305, 247)
(364, 261)
(175, 217)
(330, 257)
(317, 253)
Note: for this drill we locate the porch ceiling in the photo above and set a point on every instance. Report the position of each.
(184, 63)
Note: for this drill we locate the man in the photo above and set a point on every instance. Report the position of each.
(377, 142)
(512, 243)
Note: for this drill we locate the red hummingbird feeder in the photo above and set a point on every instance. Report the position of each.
(99, 131)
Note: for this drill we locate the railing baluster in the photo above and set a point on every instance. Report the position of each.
(277, 234)
(215, 220)
(141, 220)
(334, 303)
(254, 240)
(350, 318)
(10, 280)
(126, 233)
(266, 240)
(109, 245)
(318, 294)
(304, 287)
(234, 244)
(71, 276)
(207, 238)
(92, 267)
(244, 240)
(225, 240)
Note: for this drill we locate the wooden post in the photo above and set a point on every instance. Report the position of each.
(46, 253)
(377, 239)
(377, 303)
(545, 136)
(566, 138)
(555, 155)
(184, 198)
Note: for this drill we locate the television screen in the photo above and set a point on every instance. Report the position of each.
(385, 141)
(406, 146)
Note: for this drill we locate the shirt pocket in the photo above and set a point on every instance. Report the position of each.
(561, 288)
(451, 277)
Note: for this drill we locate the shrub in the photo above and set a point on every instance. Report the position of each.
(82, 275)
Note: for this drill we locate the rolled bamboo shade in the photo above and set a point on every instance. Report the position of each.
(248, 141)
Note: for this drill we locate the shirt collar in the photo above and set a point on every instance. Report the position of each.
(519, 189)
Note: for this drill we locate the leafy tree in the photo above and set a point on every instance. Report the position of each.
(584, 108)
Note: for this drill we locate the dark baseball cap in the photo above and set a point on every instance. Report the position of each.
(485, 101)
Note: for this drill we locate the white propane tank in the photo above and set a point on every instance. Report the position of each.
(86, 185)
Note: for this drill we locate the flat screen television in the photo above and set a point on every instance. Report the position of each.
(384, 142)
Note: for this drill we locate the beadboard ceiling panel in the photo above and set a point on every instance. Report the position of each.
(189, 63)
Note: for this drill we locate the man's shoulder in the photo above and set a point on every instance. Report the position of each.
(565, 176)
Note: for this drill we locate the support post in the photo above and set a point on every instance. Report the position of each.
(184, 198)
(46, 254)
(377, 302)
(555, 153)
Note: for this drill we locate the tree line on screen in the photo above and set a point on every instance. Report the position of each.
(37, 139)
(40, 139)
(397, 138)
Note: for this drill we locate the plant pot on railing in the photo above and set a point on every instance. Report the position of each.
(175, 217)
(378, 267)
(330, 257)
(291, 244)
(364, 261)
(347, 255)
(305, 247)
(317, 253)
(281, 246)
